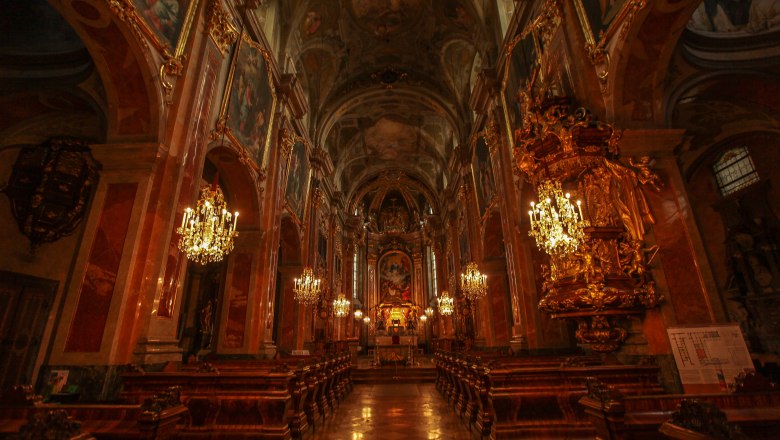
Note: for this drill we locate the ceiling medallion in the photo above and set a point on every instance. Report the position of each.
(389, 77)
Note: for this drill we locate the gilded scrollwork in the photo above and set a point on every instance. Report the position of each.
(221, 30)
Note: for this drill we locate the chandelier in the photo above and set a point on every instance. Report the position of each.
(307, 287)
(207, 231)
(446, 304)
(358, 314)
(473, 283)
(341, 306)
(429, 312)
(423, 318)
(556, 226)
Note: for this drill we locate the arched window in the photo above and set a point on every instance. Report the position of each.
(734, 170)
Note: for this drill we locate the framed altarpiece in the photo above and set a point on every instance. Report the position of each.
(298, 179)
(249, 104)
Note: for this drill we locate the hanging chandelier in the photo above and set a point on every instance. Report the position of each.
(423, 318)
(555, 224)
(446, 304)
(207, 231)
(429, 312)
(341, 306)
(307, 287)
(358, 314)
(473, 283)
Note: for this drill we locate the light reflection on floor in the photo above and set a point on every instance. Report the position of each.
(393, 412)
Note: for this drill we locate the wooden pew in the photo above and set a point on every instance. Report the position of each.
(224, 404)
(619, 417)
(531, 397)
(156, 418)
(282, 398)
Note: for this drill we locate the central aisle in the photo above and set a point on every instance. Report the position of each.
(405, 411)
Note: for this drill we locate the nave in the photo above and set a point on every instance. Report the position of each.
(391, 411)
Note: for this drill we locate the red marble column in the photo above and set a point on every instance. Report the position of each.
(680, 270)
(236, 297)
(97, 288)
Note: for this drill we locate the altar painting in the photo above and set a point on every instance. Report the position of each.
(395, 277)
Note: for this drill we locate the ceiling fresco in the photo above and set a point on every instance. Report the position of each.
(388, 82)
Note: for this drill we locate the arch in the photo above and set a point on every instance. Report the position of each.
(402, 178)
(286, 310)
(650, 41)
(237, 181)
(126, 68)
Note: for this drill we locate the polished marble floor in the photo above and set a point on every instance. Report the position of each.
(393, 412)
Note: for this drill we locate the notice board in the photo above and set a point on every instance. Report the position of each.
(709, 357)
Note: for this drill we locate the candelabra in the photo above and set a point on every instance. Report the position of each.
(341, 306)
(446, 304)
(307, 288)
(473, 283)
(555, 224)
(207, 231)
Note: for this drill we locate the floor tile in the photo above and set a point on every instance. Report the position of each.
(393, 412)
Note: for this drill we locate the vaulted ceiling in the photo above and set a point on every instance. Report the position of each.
(388, 81)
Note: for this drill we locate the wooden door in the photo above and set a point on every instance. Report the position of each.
(25, 302)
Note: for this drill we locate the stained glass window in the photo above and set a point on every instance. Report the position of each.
(735, 170)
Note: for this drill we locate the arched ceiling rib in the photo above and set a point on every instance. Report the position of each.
(388, 82)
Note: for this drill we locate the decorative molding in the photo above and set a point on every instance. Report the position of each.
(220, 26)
(596, 45)
(492, 136)
(288, 140)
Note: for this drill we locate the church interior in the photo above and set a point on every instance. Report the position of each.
(353, 219)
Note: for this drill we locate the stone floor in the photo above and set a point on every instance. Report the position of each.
(393, 412)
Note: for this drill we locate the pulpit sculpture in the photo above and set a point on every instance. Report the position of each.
(604, 276)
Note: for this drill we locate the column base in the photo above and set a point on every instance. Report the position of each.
(157, 352)
(518, 343)
(267, 349)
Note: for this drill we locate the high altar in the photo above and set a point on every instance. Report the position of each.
(395, 337)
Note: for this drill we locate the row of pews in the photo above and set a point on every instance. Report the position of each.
(264, 399)
(23, 415)
(749, 412)
(514, 397)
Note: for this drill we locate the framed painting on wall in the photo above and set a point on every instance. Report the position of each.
(249, 102)
(482, 170)
(297, 179)
(395, 277)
